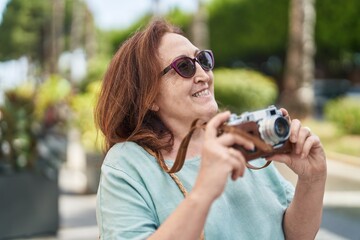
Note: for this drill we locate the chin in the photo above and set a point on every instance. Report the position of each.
(210, 113)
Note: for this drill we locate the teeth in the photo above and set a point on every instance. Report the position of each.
(202, 93)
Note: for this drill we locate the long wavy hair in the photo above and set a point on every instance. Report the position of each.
(129, 88)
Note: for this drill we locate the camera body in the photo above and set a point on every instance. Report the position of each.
(269, 125)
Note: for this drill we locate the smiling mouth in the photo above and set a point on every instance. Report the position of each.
(202, 93)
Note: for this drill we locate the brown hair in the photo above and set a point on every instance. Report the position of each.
(129, 88)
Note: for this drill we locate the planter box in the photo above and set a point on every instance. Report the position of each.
(93, 169)
(29, 205)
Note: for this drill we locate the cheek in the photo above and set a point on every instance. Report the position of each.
(168, 95)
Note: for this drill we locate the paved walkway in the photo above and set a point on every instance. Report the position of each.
(78, 220)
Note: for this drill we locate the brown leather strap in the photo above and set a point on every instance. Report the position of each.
(248, 165)
(181, 154)
(180, 157)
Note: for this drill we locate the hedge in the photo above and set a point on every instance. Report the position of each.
(345, 113)
(240, 90)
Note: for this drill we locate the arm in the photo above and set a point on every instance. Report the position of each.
(218, 160)
(303, 217)
(187, 221)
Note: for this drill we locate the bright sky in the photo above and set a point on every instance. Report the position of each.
(113, 14)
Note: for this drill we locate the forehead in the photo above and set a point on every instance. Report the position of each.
(173, 45)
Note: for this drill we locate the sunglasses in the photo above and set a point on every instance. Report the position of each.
(186, 67)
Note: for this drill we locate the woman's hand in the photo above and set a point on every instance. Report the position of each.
(308, 158)
(219, 159)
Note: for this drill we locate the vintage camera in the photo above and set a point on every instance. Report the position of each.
(267, 125)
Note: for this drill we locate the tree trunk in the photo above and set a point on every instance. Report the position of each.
(200, 30)
(55, 39)
(298, 95)
(77, 26)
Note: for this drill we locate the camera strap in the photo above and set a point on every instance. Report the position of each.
(180, 157)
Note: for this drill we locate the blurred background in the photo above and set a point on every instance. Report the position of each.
(300, 54)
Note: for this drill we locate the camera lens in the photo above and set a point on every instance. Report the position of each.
(274, 130)
(281, 127)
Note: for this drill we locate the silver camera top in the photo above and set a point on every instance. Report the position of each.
(274, 129)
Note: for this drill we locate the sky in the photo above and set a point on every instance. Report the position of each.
(117, 14)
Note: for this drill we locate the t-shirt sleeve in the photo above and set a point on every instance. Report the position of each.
(124, 206)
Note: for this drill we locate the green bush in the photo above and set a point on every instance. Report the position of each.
(243, 90)
(345, 113)
(33, 121)
(83, 107)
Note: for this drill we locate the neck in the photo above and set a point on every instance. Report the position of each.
(194, 147)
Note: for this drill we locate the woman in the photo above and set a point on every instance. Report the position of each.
(157, 83)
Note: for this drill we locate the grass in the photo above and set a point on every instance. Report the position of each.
(333, 138)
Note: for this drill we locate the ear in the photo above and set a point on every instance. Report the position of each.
(154, 107)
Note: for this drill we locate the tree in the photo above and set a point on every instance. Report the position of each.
(41, 30)
(24, 29)
(247, 31)
(200, 29)
(297, 94)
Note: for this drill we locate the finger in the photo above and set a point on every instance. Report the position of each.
(308, 145)
(304, 133)
(281, 158)
(229, 139)
(238, 162)
(284, 112)
(213, 125)
(294, 130)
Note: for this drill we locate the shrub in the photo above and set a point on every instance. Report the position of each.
(345, 113)
(32, 126)
(244, 90)
(83, 106)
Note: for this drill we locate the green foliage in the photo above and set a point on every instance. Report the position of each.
(32, 121)
(244, 30)
(27, 27)
(345, 113)
(180, 19)
(23, 28)
(17, 138)
(53, 92)
(337, 36)
(117, 37)
(244, 90)
(338, 27)
(83, 105)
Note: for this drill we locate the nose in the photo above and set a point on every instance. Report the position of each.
(201, 75)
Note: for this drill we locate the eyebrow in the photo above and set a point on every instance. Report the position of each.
(183, 55)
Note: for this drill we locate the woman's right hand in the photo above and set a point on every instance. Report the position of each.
(219, 159)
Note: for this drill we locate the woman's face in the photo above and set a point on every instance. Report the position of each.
(181, 100)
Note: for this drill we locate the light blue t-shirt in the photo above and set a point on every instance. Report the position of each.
(136, 196)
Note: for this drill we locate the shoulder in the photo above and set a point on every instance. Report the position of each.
(125, 153)
(128, 159)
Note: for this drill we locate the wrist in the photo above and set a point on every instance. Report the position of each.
(312, 181)
(199, 199)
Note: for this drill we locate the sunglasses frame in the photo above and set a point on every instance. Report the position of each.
(193, 60)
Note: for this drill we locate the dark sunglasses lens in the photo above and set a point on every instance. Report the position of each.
(206, 60)
(185, 67)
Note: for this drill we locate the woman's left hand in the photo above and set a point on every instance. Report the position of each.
(307, 158)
